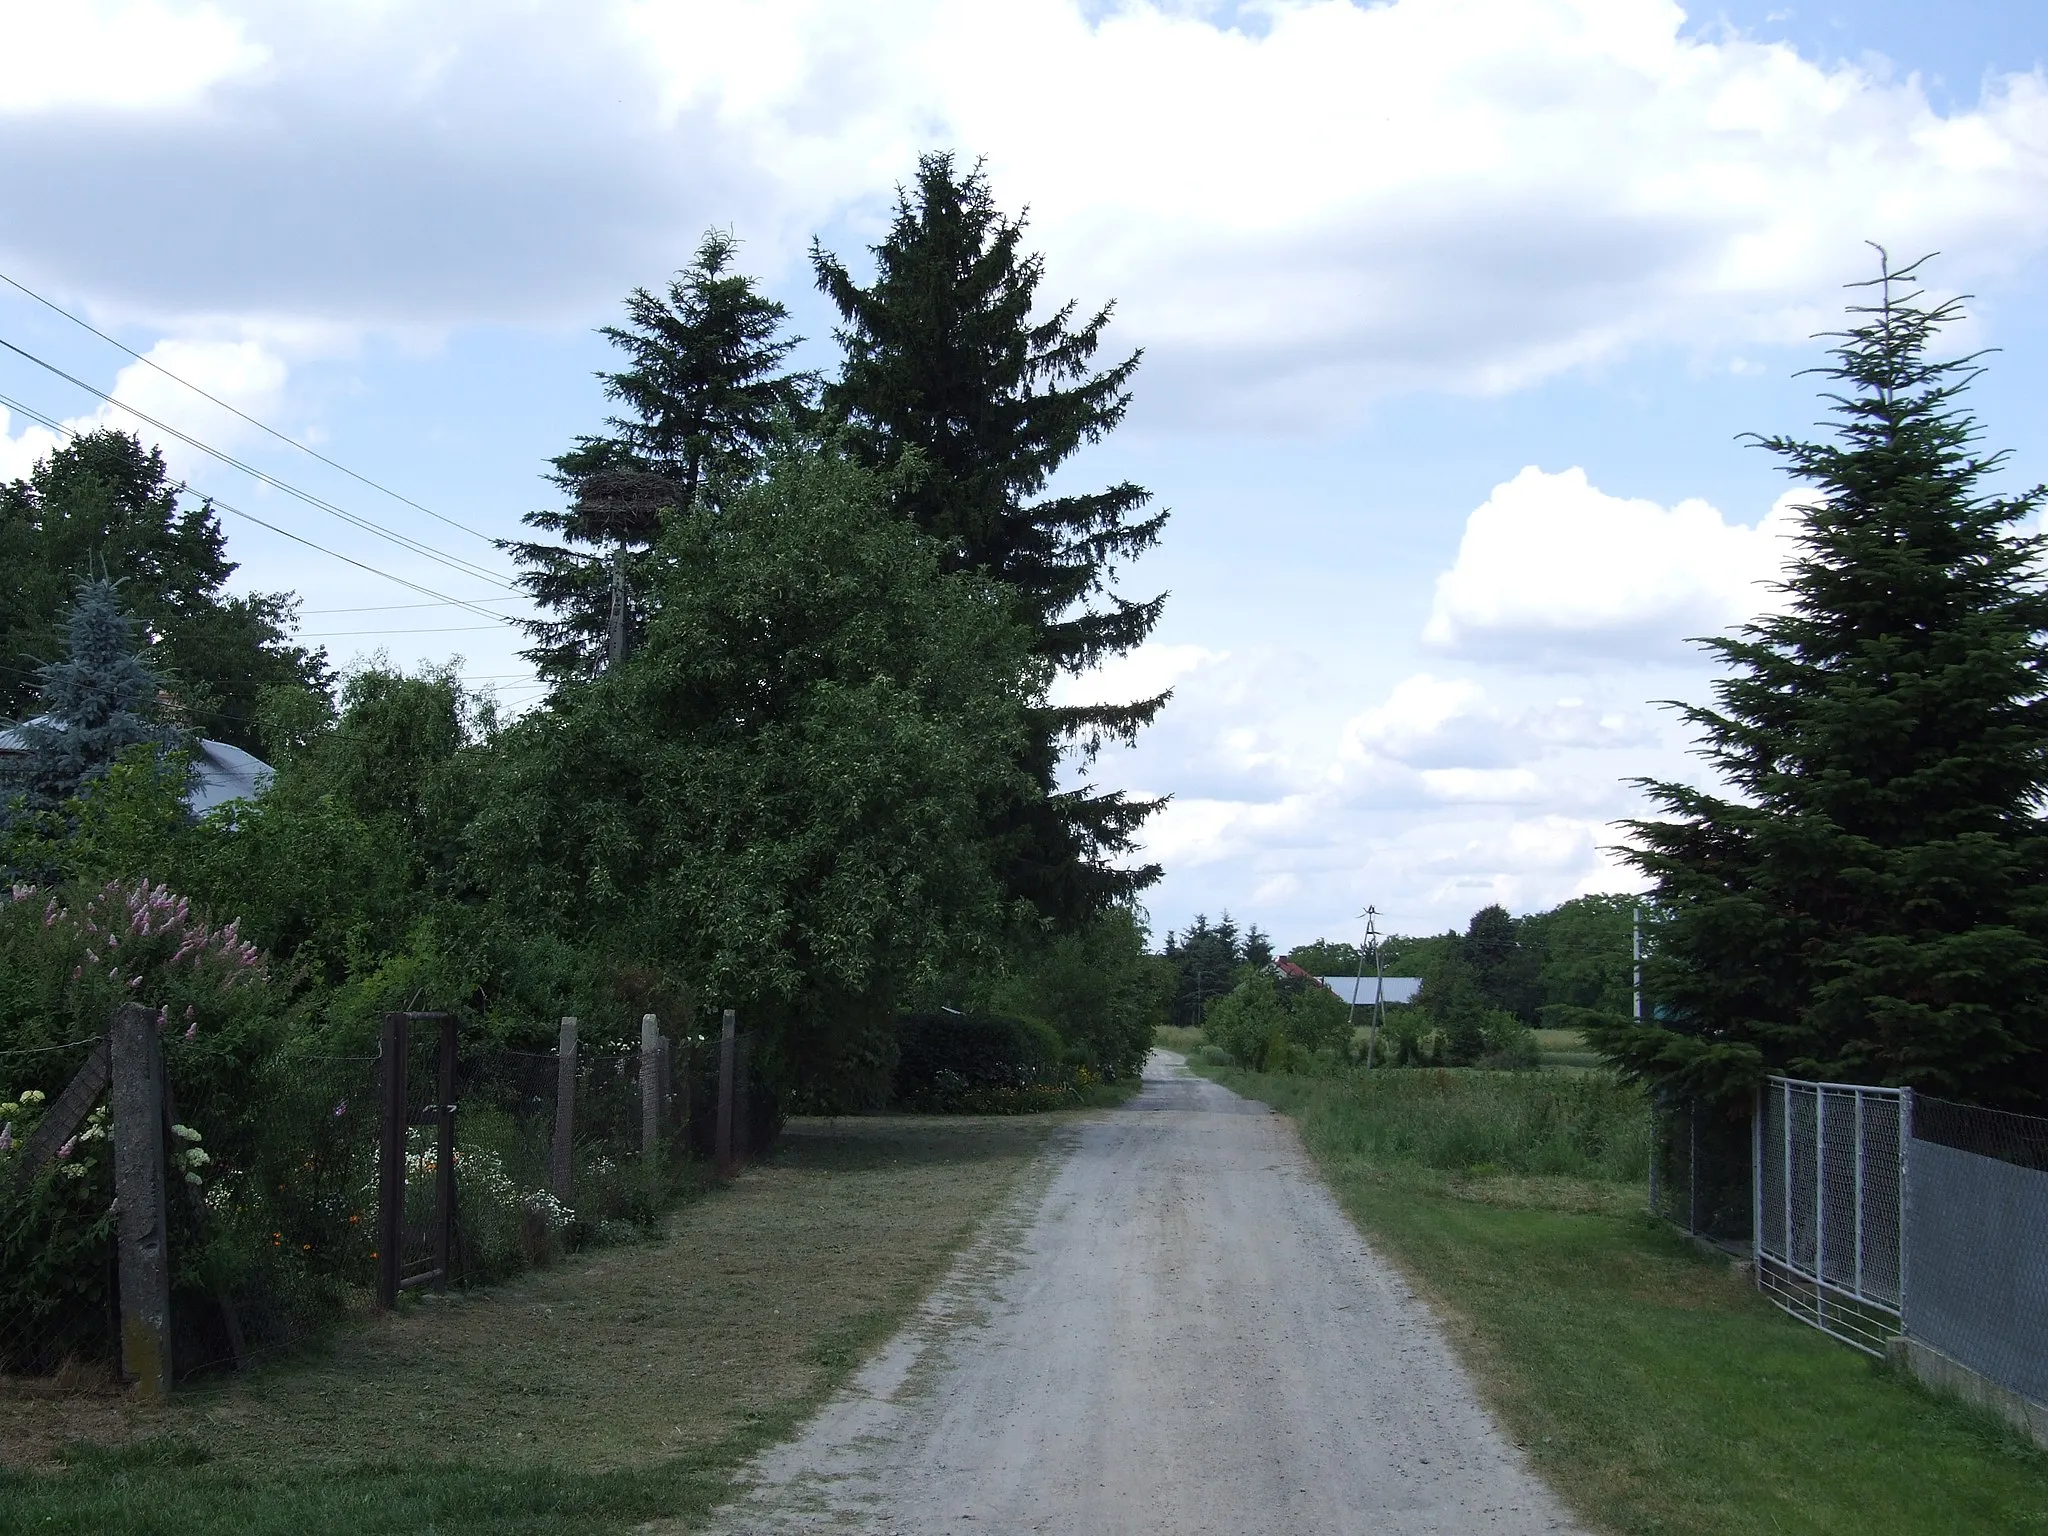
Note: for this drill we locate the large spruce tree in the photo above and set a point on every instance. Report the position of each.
(702, 392)
(1869, 900)
(946, 360)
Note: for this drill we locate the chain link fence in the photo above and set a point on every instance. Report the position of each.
(1976, 1241)
(273, 1208)
(1700, 1173)
(1828, 1199)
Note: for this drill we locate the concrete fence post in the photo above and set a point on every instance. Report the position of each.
(561, 1159)
(397, 1041)
(141, 1225)
(650, 1088)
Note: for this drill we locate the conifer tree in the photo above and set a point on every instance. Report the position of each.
(944, 361)
(702, 393)
(1868, 901)
(97, 702)
(104, 504)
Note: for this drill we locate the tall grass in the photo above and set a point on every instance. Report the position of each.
(1581, 1125)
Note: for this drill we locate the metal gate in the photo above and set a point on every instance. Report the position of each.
(1830, 1194)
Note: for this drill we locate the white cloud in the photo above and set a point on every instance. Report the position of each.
(134, 56)
(1551, 567)
(1333, 201)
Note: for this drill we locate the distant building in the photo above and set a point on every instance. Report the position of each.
(220, 773)
(1394, 989)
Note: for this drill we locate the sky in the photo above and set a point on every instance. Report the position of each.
(1454, 314)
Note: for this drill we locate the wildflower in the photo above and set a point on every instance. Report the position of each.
(341, 1109)
(189, 1010)
(192, 1031)
(7, 1137)
(134, 981)
(33, 1096)
(67, 1149)
(77, 971)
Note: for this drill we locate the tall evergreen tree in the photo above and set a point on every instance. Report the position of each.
(702, 393)
(1869, 903)
(97, 702)
(103, 505)
(944, 361)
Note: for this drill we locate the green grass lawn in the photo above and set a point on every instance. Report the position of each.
(609, 1390)
(1650, 1384)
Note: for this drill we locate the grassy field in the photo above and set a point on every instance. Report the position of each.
(1172, 1037)
(1650, 1384)
(596, 1395)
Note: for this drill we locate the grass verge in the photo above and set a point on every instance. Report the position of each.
(606, 1391)
(1650, 1384)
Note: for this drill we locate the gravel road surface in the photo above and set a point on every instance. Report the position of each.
(1174, 1329)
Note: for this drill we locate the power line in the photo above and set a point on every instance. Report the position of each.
(451, 629)
(244, 415)
(441, 599)
(453, 562)
(388, 607)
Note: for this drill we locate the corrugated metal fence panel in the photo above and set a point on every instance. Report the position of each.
(1977, 1264)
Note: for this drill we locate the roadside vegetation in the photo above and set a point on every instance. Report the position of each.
(611, 1390)
(1646, 1380)
(798, 756)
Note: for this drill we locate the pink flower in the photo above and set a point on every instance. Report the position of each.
(77, 971)
(134, 981)
(7, 1137)
(191, 1032)
(190, 1011)
(66, 1150)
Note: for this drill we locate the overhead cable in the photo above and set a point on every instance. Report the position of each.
(244, 415)
(453, 562)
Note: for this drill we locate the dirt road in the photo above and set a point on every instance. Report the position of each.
(1175, 1330)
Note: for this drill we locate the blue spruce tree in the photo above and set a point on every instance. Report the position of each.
(96, 703)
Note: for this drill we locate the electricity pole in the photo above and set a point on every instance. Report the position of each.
(616, 652)
(1635, 949)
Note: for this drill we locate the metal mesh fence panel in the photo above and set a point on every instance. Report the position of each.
(58, 1324)
(1977, 1241)
(1829, 1200)
(1701, 1170)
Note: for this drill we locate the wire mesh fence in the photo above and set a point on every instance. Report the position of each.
(1976, 1241)
(57, 1288)
(1700, 1172)
(276, 1196)
(1829, 1199)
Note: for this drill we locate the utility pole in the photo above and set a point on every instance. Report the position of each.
(617, 650)
(1379, 984)
(1635, 948)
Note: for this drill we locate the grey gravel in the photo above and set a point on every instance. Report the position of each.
(1173, 1329)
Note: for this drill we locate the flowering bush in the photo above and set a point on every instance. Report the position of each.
(69, 957)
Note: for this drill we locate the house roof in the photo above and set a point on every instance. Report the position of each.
(1393, 989)
(220, 773)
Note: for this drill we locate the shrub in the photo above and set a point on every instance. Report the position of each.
(969, 1063)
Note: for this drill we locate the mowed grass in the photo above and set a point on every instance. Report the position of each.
(1650, 1384)
(607, 1391)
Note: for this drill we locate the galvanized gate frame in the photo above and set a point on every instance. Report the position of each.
(1862, 1303)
